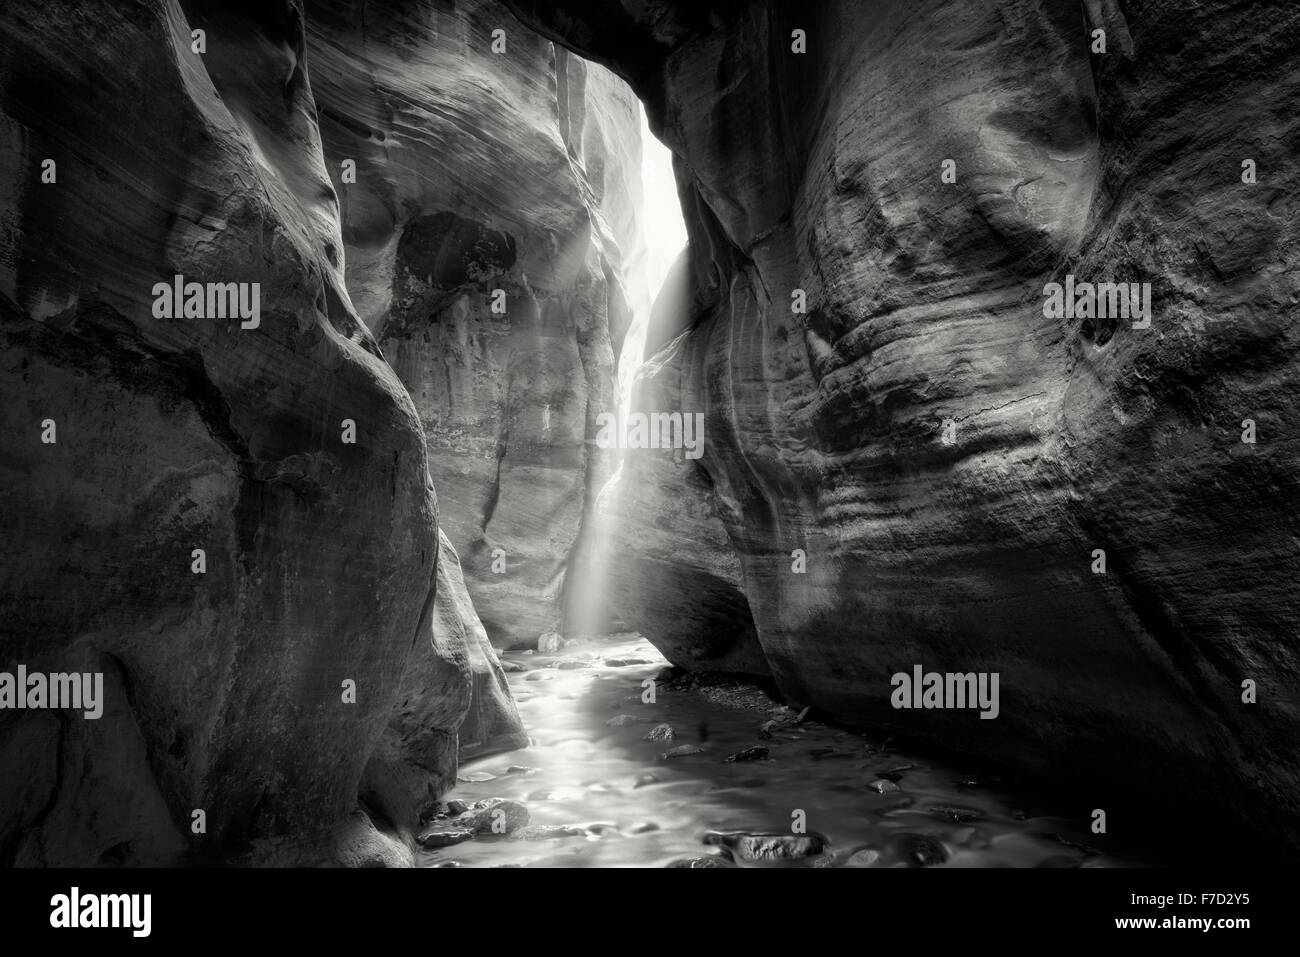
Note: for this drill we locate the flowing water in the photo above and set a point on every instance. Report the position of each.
(625, 805)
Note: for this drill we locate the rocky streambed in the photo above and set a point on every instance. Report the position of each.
(715, 773)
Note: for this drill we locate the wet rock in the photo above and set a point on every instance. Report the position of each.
(625, 662)
(601, 828)
(643, 827)
(972, 837)
(622, 721)
(680, 751)
(512, 667)
(548, 643)
(493, 816)
(539, 676)
(768, 847)
(918, 850)
(457, 807)
(766, 729)
(707, 861)
(444, 837)
(661, 732)
(883, 786)
(521, 769)
(542, 795)
(647, 778)
(756, 753)
(962, 815)
(546, 832)
(863, 857)
(477, 777)
(571, 664)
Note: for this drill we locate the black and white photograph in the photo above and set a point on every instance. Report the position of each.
(608, 437)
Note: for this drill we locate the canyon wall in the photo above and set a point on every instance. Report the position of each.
(888, 397)
(228, 516)
(489, 228)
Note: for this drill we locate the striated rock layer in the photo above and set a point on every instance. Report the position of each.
(254, 681)
(949, 455)
(489, 227)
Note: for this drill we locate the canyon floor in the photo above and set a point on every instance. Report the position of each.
(599, 793)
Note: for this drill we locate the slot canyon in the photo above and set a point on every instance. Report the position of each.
(316, 314)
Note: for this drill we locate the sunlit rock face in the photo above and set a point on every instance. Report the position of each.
(948, 455)
(252, 682)
(670, 571)
(489, 232)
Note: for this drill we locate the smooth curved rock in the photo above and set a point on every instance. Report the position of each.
(946, 454)
(225, 691)
(479, 172)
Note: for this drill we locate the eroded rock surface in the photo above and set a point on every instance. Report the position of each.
(946, 454)
(478, 172)
(253, 681)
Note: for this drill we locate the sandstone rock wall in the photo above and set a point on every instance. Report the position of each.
(947, 455)
(224, 683)
(477, 171)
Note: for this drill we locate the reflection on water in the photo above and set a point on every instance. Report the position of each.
(591, 767)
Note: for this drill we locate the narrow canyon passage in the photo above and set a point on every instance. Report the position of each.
(601, 784)
(389, 389)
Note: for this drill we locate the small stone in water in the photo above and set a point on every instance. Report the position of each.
(511, 667)
(483, 815)
(765, 731)
(883, 786)
(620, 721)
(647, 778)
(768, 847)
(625, 662)
(539, 676)
(962, 815)
(457, 807)
(549, 643)
(865, 857)
(802, 715)
(971, 837)
(660, 732)
(546, 832)
(756, 753)
(680, 751)
(521, 769)
(643, 827)
(477, 777)
(571, 664)
(710, 861)
(444, 837)
(917, 850)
